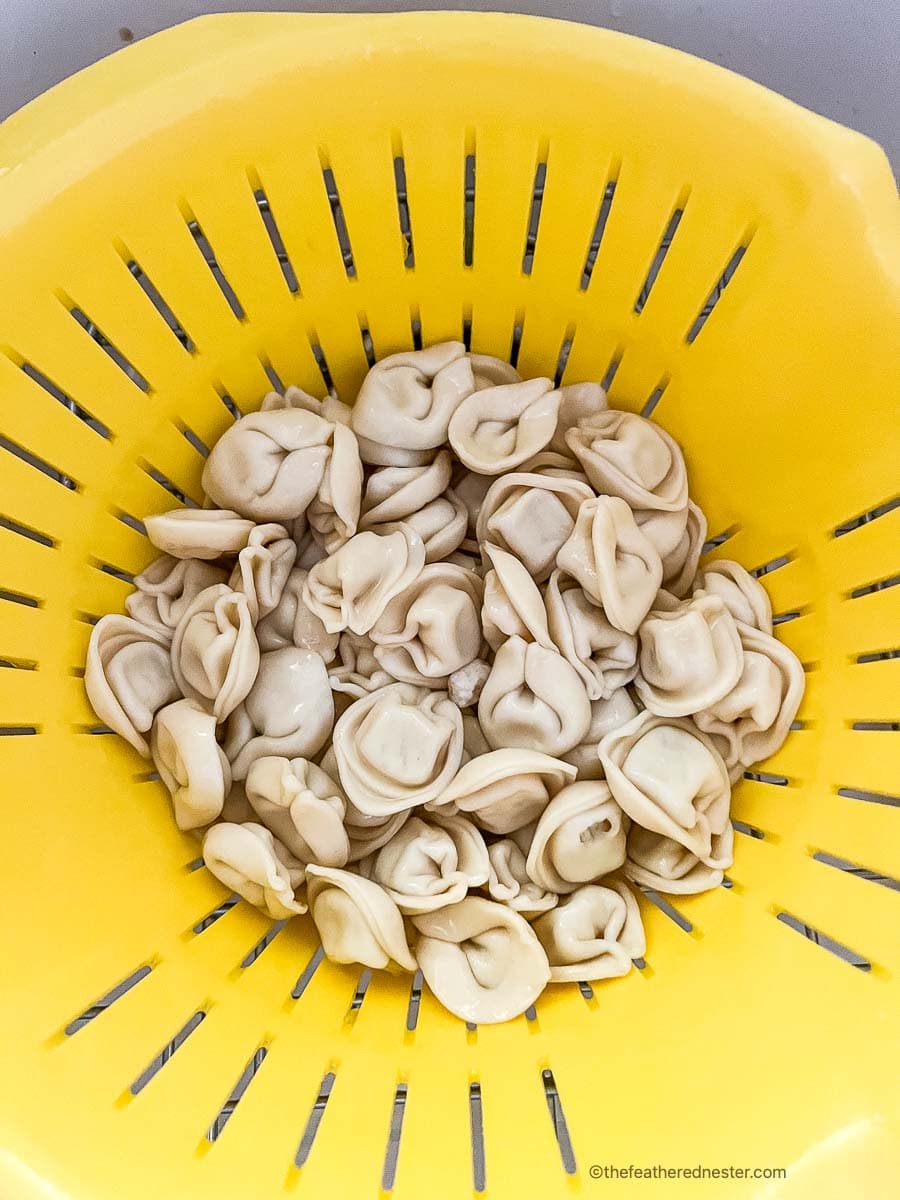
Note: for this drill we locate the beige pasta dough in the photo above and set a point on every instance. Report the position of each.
(357, 920)
(594, 933)
(249, 861)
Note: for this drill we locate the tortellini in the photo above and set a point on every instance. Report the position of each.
(438, 660)
(302, 806)
(509, 883)
(498, 428)
(215, 654)
(579, 837)
(744, 597)
(430, 864)
(604, 657)
(351, 588)
(357, 920)
(482, 960)
(408, 399)
(432, 628)
(248, 859)
(753, 719)
(504, 789)
(128, 676)
(531, 516)
(613, 561)
(398, 747)
(630, 457)
(292, 623)
(662, 864)
(289, 711)
(167, 588)
(533, 698)
(690, 658)
(594, 933)
(263, 568)
(669, 778)
(394, 493)
(269, 466)
(198, 532)
(191, 763)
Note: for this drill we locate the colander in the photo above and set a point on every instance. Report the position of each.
(251, 200)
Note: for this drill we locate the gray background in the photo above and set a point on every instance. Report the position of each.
(840, 57)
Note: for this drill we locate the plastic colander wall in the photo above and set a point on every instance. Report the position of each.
(259, 198)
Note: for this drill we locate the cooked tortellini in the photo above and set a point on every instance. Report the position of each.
(269, 466)
(432, 628)
(613, 561)
(357, 920)
(594, 933)
(167, 588)
(508, 881)
(669, 778)
(498, 428)
(398, 747)
(289, 711)
(198, 533)
(351, 588)
(408, 399)
(190, 763)
(439, 660)
(128, 676)
(481, 959)
(502, 790)
(531, 516)
(690, 658)
(215, 654)
(292, 623)
(604, 657)
(533, 698)
(579, 837)
(248, 859)
(630, 457)
(430, 863)
(302, 806)
(753, 719)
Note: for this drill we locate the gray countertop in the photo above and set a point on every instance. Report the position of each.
(839, 57)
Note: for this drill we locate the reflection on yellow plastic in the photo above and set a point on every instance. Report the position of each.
(273, 197)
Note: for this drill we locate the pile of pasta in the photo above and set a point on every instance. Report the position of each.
(440, 669)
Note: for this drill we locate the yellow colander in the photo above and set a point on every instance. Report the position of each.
(251, 199)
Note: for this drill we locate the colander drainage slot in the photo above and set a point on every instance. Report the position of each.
(877, 656)
(264, 209)
(395, 1132)
(60, 396)
(469, 202)
(773, 564)
(165, 482)
(96, 334)
(654, 398)
(767, 777)
(558, 1117)
(227, 400)
(515, 344)
(315, 1119)
(154, 296)
(409, 254)
(415, 327)
(39, 464)
(33, 535)
(534, 213)
(827, 943)
(880, 585)
(718, 288)
(275, 380)
(107, 1000)
(131, 521)
(873, 514)
(262, 945)
(308, 971)
(606, 381)
(201, 241)
(476, 1125)
(719, 540)
(193, 439)
(245, 1079)
(215, 914)
(415, 999)
(359, 995)
(750, 831)
(367, 343)
(662, 250)
(337, 216)
(153, 1068)
(563, 357)
(599, 227)
(586, 990)
(868, 797)
(842, 864)
(20, 598)
(668, 909)
(321, 362)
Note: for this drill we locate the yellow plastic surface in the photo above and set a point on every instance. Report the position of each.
(741, 1043)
